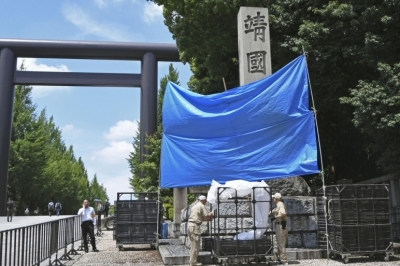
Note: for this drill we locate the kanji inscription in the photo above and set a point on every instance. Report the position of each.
(256, 62)
(257, 25)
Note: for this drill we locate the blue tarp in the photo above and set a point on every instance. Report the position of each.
(259, 131)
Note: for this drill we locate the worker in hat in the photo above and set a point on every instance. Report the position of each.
(198, 214)
(281, 231)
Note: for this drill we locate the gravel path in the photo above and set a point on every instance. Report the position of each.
(142, 256)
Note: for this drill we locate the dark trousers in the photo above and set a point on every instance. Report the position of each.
(105, 213)
(88, 227)
(9, 215)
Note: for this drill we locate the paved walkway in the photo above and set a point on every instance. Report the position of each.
(23, 221)
(141, 255)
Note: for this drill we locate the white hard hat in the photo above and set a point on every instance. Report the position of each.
(277, 195)
(202, 197)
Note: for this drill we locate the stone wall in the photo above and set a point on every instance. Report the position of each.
(302, 222)
(225, 222)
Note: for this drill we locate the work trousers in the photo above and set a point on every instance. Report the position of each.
(9, 215)
(88, 228)
(281, 236)
(194, 237)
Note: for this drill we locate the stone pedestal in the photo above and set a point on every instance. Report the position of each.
(302, 222)
(180, 202)
(174, 230)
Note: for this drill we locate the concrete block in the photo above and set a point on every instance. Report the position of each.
(174, 230)
(300, 205)
(204, 228)
(316, 254)
(232, 224)
(310, 240)
(247, 223)
(299, 223)
(174, 255)
(291, 255)
(185, 240)
(312, 223)
(294, 241)
(303, 255)
(220, 226)
(183, 229)
(230, 209)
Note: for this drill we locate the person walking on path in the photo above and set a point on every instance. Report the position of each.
(279, 213)
(58, 208)
(10, 210)
(106, 208)
(87, 214)
(198, 214)
(50, 207)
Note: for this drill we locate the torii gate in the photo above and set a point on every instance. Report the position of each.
(10, 49)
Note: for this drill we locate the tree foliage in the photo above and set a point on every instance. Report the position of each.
(41, 167)
(377, 113)
(97, 191)
(345, 43)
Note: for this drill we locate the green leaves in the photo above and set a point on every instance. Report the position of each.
(377, 112)
(41, 168)
(353, 52)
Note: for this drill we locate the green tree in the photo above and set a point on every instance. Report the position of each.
(377, 113)
(345, 42)
(41, 168)
(28, 153)
(97, 191)
(151, 164)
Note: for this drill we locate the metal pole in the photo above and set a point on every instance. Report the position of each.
(7, 69)
(148, 114)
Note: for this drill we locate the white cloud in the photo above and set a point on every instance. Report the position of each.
(33, 64)
(152, 12)
(117, 184)
(100, 3)
(103, 3)
(70, 132)
(89, 26)
(68, 128)
(123, 130)
(115, 152)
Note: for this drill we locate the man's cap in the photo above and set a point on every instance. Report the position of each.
(202, 197)
(277, 195)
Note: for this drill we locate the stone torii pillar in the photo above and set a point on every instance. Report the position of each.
(8, 64)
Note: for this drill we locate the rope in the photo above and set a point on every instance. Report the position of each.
(319, 149)
(158, 212)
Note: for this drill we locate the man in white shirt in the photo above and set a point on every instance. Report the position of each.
(87, 216)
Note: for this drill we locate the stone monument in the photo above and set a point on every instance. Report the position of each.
(254, 45)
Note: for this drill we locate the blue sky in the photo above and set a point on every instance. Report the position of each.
(98, 122)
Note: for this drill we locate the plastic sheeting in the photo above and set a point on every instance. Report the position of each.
(259, 131)
(242, 188)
